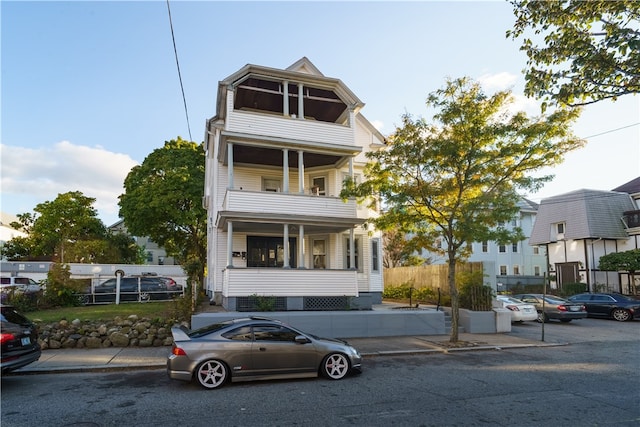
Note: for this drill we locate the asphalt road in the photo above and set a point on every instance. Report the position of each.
(593, 381)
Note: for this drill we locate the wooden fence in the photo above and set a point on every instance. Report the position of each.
(427, 276)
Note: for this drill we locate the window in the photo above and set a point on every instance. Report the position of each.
(149, 256)
(439, 243)
(318, 186)
(264, 251)
(274, 333)
(271, 185)
(375, 261)
(503, 270)
(502, 249)
(485, 246)
(514, 248)
(536, 250)
(516, 270)
(560, 228)
(356, 177)
(347, 261)
(319, 254)
(514, 222)
(239, 334)
(536, 270)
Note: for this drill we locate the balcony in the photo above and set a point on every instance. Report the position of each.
(632, 221)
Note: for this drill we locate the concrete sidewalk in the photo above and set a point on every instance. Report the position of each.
(135, 358)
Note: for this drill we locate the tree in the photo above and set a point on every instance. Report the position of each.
(67, 229)
(628, 261)
(580, 52)
(163, 200)
(457, 179)
(398, 251)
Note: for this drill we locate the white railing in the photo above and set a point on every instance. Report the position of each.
(293, 204)
(241, 282)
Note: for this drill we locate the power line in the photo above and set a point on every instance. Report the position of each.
(175, 50)
(612, 130)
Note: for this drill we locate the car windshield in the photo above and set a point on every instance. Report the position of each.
(9, 314)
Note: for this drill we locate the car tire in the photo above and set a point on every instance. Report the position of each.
(620, 314)
(565, 320)
(335, 366)
(84, 299)
(212, 374)
(542, 317)
(144, 297)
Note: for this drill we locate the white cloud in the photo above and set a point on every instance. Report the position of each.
(496, 82)
(39, 175)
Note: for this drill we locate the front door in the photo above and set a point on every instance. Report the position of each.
(265, 251)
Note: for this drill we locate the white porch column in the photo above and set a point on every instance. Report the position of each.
(352, 251)
(351, 167)
(285, 238)
(229, 244)
(285, 170)
(230, 166)
(301, 172)
(301, 253)
(285, 98)
(300, 101)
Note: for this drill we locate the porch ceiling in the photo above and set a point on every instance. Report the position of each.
(273, 224)
(273, 157)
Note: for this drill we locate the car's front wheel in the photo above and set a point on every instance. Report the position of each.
(621, 315)
(212, 374)
(542, 317)
(335, 366)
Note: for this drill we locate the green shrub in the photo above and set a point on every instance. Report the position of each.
(569, 289)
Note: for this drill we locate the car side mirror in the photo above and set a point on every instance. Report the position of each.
(301, 339)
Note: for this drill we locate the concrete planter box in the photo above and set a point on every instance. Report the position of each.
(478, 322)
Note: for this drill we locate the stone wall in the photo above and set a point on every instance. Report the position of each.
(129, 332)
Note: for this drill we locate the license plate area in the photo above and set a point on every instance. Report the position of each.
(26, 341)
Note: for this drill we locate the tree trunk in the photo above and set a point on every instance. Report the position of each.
(455, 308)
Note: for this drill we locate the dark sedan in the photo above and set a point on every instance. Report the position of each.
(133, 288)
(256, 348)
(610, 305)
(554, 307)
(18, 338)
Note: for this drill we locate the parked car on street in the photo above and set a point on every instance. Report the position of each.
(520, 311)
(10, 286)
(256, 348)
(132, 288)
(18, 340)
(554, 307)
(611, 305)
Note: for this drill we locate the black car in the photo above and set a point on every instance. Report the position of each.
(19, 339)
(133, 288)
(611, 305)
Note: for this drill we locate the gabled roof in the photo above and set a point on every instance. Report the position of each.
(586, 214)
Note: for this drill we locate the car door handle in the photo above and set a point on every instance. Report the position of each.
(263, 349)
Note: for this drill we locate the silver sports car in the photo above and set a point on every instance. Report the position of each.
(256, 348)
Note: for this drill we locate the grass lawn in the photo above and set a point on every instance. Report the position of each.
(105, 312)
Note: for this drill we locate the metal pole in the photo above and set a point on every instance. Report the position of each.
(544, 294)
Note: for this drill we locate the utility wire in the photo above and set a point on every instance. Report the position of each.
(612, 130)
(175, 50)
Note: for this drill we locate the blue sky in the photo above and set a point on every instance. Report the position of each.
(89, 89)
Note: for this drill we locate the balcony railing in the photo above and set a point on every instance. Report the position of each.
(260, 202)
(632, 220)
(238, 282)
(289, 128)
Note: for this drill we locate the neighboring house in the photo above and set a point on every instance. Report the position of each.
(511, 264)
(278, 149)
(581, 226)
(156, 255)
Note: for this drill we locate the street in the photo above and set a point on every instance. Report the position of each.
(594, 380)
